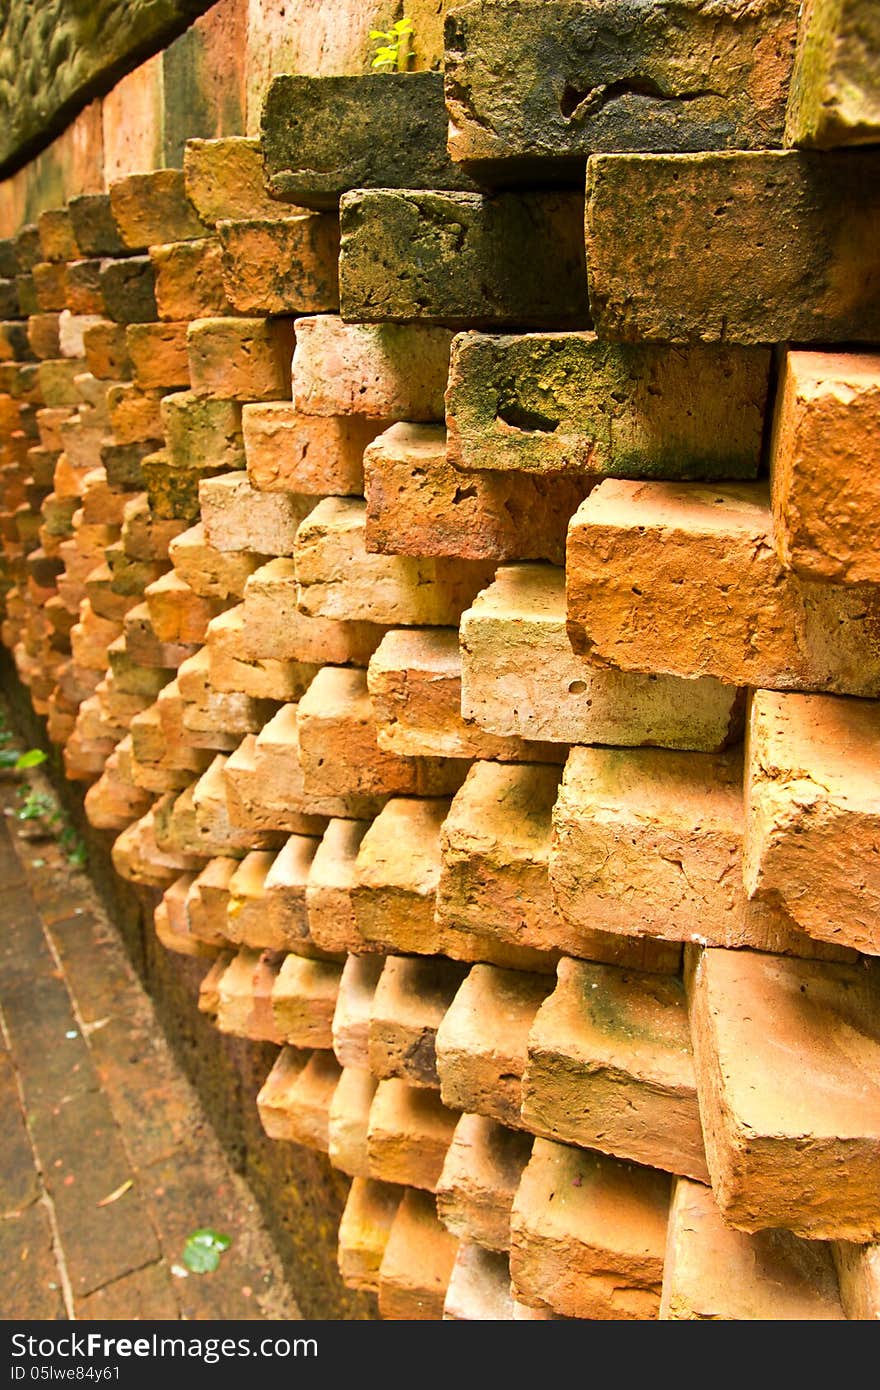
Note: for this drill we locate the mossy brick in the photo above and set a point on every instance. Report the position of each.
(189, 279)
(27, 294)
(129, 290)
(122, 463)
(224, 179)
(57, 237)
(241, 359)
(834, 97)
(106, 349)
(202, 432)
(15, 345)
(9, 306)
(57, 380)
(84, 293)
(282, 265)
(43, 334)
(640, 553)
(93, 225)
(750, 247)
(50, 284)
(532, 90)
(28, 250)
(9, 266)
(152, 209)
(322, 136)
(515, 259)
(558, 402)
(173, 488)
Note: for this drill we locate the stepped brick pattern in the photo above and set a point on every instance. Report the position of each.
(439, 531)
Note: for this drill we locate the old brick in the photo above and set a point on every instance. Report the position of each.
(709, 550)
(94, 226)
(834, 97)
(331, 917)
(588, 1235)
(858, 1274)
(383, 371)
(281, 265)
(396, 876)
(241, 359)
(211, 572)
(409, 1003)
(481, 1173)
(50, 288)
(84, 295)
(303, 1001)
(824, 492)
(511, 259)
(287, 912)
(128, 288)
(275, 626)
(364, 1229)
(189, 279)
(224, 179)
(158, 353)
(782, 1153)
(734, 247)
(349, 1118)
(351, 1020)
(236, 516)
(320, 455)
(408, 1133)
(339, 754)
(152, 209)
(323, 135)
(43, 335)
(135, 415)
(558, 402)
(479, 1286)
(106, 351)
(417, 1262)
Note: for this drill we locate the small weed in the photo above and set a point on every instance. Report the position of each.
(394, 52)
(36, 806)
(203, 1249)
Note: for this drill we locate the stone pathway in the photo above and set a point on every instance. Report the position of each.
(107, 1163)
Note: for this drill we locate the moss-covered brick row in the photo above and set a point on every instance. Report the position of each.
(9, 306)
(122, 463)
(93, 225)
(532, 90)
(202, 432)
(129, 289)
(173, 487)
(324, 135)
(463, 258)
(834, 97)
(735, 247)
(557, 402)
(27, 246)
(57, 239)
(9, 266)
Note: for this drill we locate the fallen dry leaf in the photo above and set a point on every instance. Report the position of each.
(114, 1196)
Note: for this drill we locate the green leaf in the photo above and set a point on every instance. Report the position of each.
(380, 34)
(8, 757)
(203, 1249)
(403, 26)
(32, 758)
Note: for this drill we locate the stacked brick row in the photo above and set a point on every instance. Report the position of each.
(502, 651)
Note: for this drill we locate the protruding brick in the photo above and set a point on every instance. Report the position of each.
(245, 997)
(241, 359)
(610, 1068)
(713, 1272)
(323, 135)
(418, 504)
(641, 553)
(303, 1001)
(234, 669)
(285, 887)
(531, 91)
(93, 224)
(321, 455)
(158, 353)
(152, 209)
(224, 178)
(513, 259)
(235, 516)
(339, 754)
(479, 1286)
(417, 1263)
(189, 279)
(762, 275)
(482, 1041)
(128, 288)
(364, 1229)
(351, 1020)
(812, 814)
(409, 1003)
(275, 626)
(332, 922)
(281, 265)
(106, 350)
(824, 489)
(383, 371)
(858, 1275)
(301, 1097)
(834, 97)
(211, 572)
(339, 579)
(414, 680)
(348, 1122)
(588, 1235)
(782, 1152)
(408, 1134)
(481, 1173)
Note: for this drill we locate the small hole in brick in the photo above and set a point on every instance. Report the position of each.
(577, 687)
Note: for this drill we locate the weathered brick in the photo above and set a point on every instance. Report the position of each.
(264, 781)
(558, 402)
(641, 553)
(414, 681)
(304, 1104)
(510, 259)
(481, 1043)
(323, 135)
(236, 516)
(70, 332)
(858, 1274)
(135, 415)
(158, 353)
(408, 1133)
(417, 1262)
(286, 903)
(649, 842)
(332, 923)
(320, 455)
(531, 90)
(610, 1068)
(233, 669)
(396, 876)
(834, 97)
(520, 678)
(211, 572)
(351, 1021)
(152, 209)
(106, 351)
(479, 1286)
(418, 504)
(274, 1097)
(189, 279)
(349, 1118)
(733, 247)
(94, 226)
(714, 1272)
(241, 359)
(812, 820)
(128, 288)
(596, 1252)
(409, 1003)
(224, 178)
(339, 579)
(43, 335)
(275, 626)
(303, 1000)
(281, 265)
(364, 1229)
(387, 371)
(824, 493)
(57, 384)
(481, 1173)
(782, 1152)
(50, 288)
(84, 295)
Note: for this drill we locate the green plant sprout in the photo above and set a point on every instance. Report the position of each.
(394, 53)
